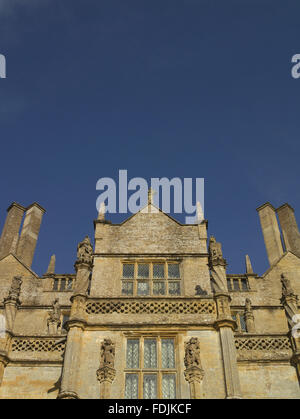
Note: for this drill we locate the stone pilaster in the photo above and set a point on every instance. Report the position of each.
(226, 325)
(75, 325)
(77, 321)
(69, 382)
(11, 305)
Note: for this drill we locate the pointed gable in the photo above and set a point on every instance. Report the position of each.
(150, 231)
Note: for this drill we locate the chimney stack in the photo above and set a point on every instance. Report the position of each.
(290, 232)
(271, 233)
(10, 233)
(29, 233)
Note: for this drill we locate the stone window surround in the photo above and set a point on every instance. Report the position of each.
(159, 370)
(237, 314)
(236, 284)
(150, 279)
(61, 284)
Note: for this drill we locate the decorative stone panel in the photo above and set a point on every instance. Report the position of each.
(37, 345)
(170, 306)
(263, 348)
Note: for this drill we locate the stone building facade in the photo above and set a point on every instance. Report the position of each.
(149, 312)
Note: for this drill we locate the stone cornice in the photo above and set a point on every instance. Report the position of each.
(149, 255)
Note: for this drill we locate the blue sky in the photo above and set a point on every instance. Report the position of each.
(185, 88)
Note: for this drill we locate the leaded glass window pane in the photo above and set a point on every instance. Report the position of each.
(167, 353)
(65, 319)
(236, 285)
(243, 323)
(62, 284)
(131, 386)
(159, 288)
(150, 386)
(150, 353)
(55, 285)
(143, 288)
(143, 270)
(169, 386)
(69, 284)
(228, 284)
(127, 288)
(244, 285)
(174, 288)
(158, 270)
(128, 270)
(173, 270)
(132, 358)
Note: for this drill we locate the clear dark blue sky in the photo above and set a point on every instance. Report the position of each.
(187, 88)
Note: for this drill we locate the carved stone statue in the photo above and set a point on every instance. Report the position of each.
(106, 373)
(217, 265)
(54, 318)
(107, 354)
(15, 288)
(83, 266)
(55, 314)
(85, 251)
(289, 301)
(248, 305)
(286, 286)
(215, 249)
(192, 353)
(249, 316)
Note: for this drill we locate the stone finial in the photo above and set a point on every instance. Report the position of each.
(51, 266)
(249, 269)
(102, 210)
(200, 213)
(217, 265)
(85, 252)
(151, 194)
